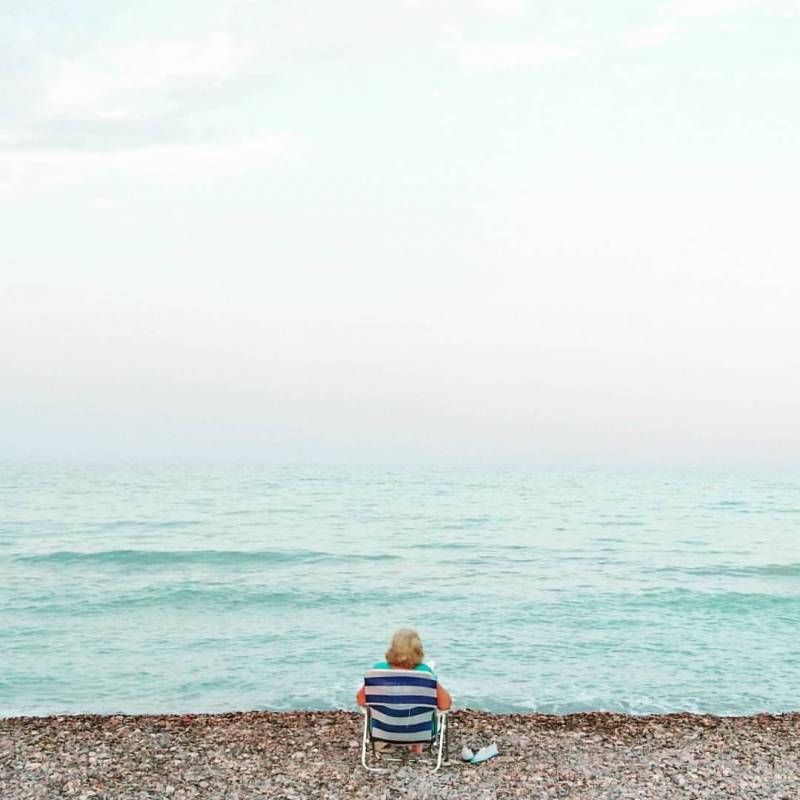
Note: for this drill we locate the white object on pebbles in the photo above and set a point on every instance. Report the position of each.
(485, 753)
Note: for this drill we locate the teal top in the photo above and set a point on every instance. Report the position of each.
(387, 665)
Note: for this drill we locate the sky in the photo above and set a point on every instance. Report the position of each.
(452, 232)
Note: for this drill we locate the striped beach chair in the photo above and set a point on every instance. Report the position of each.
(401, 710)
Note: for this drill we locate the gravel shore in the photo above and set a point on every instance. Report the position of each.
(316, 755)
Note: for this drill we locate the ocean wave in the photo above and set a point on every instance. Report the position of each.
(216, 598)
(155, 558)
(738, 571)
(476, 547)
(146, 524)
(723, 603)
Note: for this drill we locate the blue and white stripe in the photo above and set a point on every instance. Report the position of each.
(402, 704)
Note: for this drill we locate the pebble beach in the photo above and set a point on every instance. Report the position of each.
(317, 755)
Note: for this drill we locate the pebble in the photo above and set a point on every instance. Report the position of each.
(317, 755)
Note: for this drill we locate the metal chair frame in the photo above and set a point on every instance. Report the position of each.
(440, 741)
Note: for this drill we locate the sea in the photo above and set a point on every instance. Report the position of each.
(156, 589)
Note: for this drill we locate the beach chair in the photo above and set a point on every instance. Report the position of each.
(401, 710)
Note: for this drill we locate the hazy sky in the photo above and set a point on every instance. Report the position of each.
(453, 231)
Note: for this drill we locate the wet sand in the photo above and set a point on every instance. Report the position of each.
(316, 754)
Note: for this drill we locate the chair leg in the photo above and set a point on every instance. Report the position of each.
(442, 736)
(364, 736)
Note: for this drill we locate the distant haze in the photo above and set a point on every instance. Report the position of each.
(483, 233)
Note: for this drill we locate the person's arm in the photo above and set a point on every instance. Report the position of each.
(443, 699)
(361, 697)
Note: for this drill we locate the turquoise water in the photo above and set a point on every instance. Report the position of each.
(139, 589)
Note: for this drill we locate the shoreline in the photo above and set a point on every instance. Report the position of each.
(304, 754)
(532, 715)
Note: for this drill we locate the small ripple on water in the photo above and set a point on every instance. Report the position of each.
(156, 558)
(735, 570)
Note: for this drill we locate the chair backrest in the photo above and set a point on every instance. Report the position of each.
(402, 704)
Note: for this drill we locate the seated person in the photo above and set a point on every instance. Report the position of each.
(405, 652)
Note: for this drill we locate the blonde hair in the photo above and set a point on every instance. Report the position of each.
(405, 649)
